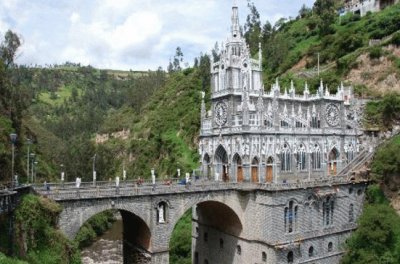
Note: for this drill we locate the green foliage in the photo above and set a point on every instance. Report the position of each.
(377, 239)
(396, 39)
(386, 163)
(383, 113)
(94, 227)
(181, 240)
(6, 260)
(37, 239)
(375, 53)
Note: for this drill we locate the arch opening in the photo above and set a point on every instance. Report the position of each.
(221, 164)
(269, 170)
(254, 169)
(214, 227)
(333, 158)
(115, 235)
(238, 167)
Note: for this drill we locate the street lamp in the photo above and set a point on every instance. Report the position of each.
(29, 142)
(32, 159)
(153, 176)
(62, 174)
(94, 170)
(13, 138)
(35, 166)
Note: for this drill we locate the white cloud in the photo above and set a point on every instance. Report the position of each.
(126, 34)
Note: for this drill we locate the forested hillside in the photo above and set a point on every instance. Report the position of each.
(144, 120)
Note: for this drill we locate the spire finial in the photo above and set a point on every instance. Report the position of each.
(235, 20)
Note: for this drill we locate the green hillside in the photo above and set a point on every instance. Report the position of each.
(144, 120)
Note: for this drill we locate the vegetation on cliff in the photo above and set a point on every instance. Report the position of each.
(377, 239)
(37, 239)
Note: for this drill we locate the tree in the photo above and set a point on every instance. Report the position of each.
(304, 11)
(252, 28)
(178, 58)
(326, 12)
(9, 47)
(215, 52)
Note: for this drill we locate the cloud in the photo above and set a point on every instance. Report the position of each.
(126, 34)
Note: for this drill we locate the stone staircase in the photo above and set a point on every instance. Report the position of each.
(358, 167)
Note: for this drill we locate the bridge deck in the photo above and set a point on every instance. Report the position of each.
(67, 191)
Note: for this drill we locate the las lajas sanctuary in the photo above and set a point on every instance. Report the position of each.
(298, 147)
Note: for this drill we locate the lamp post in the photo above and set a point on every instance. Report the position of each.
(62, 174)
(13, 138)
(35, 169)
(32, 159)
(153, 176)
(29, 142)
(94, 170)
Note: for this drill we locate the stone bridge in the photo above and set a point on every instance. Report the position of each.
(150, 213)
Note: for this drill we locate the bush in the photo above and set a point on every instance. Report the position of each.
(375, 53)
(396, 39)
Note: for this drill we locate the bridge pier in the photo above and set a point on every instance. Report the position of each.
(161, 257)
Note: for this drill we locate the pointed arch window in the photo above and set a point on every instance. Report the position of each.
(291, 217)
(327, 211)
(350, 153)
(315, 122)
(301, 158)
(351, 213)
(316, 158)
(285, 158)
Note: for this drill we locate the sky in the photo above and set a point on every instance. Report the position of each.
(126, 34)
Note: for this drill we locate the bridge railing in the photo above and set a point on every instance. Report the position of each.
(59, 192)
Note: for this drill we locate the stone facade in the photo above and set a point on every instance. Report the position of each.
(361, 7)
(251, 135)
(315, 232)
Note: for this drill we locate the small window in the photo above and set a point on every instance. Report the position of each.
(350, 190)
(196, 257)
(330, 247)
(239, 250)
(359, 192)
(351, 213)
(311, 251)
(205, 236)
(221, 243)
(290, 257)
(264, 257)
(205, 261)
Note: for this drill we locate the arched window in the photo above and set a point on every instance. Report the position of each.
(264, 257)
(291, 214)
(221, 243)
(239, 250)
(351, 213)
(330, 247)
(327, 211)
(311, 252)
(349, 152)
(301, 158)
(285, 158)
(290, 257)
(205, 261)
(315, 122)
(316, 158)
(284, 124)
(205, 237)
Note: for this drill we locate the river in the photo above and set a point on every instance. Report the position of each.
(108, 247)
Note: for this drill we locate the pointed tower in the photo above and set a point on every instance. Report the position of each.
(235, 28)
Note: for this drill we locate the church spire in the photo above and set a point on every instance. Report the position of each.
(235, 20)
